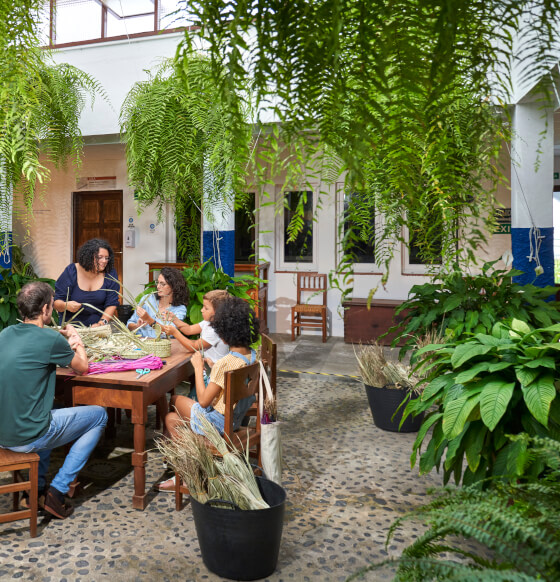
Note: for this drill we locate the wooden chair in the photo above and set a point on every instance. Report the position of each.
(239, 384)
(15, 462)
(308, 314)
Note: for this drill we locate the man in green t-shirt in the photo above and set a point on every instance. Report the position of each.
(29, 354)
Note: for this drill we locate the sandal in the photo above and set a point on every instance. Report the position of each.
(168, 486)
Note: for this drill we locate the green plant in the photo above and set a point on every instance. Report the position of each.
(19, 265)
(462, 304)
(203, 278)
(10, 284)
(516, 527)
(481, 389)
(397, 94)
(177, 133)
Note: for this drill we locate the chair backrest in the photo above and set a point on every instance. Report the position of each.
(312, 283)
(268, 357)
(239, 384)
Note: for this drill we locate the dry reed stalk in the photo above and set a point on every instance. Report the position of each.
(228, 477)
(371, 361)
(400, 375)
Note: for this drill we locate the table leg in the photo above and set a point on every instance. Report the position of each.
(139, 458)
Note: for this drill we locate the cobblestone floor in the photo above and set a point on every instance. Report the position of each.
(346, 482)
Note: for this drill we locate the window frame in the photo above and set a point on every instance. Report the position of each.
(358, 268)
(279, 228)
(50, 26)
(411, 269)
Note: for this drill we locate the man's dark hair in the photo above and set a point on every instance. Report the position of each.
(89, 250)
(174, 278)
(235, 322)
(32, 297)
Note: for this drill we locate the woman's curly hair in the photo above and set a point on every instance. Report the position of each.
(88, 251)
(235, 322)
(174, 278)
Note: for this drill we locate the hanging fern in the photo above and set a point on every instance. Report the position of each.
(40, 107)
(395, 93)
(177, 132)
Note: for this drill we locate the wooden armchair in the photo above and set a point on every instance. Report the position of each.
(310, 315)
(240, 384)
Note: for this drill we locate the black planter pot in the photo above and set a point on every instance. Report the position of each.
(383, 403)
(241, 545)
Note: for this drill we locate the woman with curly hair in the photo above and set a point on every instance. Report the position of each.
(168, 304)
(237, 326)
(92, 280)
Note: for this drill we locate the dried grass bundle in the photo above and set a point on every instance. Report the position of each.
(228, 477)
(371, 361)
(400, 376)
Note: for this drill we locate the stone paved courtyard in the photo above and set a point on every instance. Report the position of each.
(346, 482)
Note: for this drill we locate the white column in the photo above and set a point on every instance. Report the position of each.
(532, 165)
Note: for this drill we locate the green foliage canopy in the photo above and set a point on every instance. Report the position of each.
(395, 93)
(40, 105)
(177, 132)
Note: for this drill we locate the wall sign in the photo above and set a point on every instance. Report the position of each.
(503, 218)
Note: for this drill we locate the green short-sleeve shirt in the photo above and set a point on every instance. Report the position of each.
(28, 359)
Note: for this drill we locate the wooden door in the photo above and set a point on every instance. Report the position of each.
(99, 215)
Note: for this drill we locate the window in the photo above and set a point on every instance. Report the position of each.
(80, 21)
(245, 230)
(413, 263)
(358, 232)
(295, 221)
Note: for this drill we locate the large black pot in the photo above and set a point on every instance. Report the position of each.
(384, 402)
(241, 545)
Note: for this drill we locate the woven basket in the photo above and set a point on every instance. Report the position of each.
(100, 331)
(160, 347)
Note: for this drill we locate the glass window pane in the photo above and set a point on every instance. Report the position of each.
(130, 7)
(44, 24)
(359, 230)
(172, 14)
(300, 249)
(414, 255)
(127, 26)
(77, 20)
(245, 230)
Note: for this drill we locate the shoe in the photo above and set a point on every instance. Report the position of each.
(56, 504)
(168, 486)
(26, 504)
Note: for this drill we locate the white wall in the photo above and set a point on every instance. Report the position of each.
(117, 66)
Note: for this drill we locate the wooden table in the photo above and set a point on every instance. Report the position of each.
(124, 390)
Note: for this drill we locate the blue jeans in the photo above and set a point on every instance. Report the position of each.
(82, 424)
(213, 416)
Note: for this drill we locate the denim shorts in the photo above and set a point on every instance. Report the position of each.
(210, 414)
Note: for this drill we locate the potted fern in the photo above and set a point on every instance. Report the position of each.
(388, 385)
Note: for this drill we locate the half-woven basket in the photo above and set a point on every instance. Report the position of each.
(100, 331)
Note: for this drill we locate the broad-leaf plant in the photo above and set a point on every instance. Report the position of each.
(481, 389)
(457, 304)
